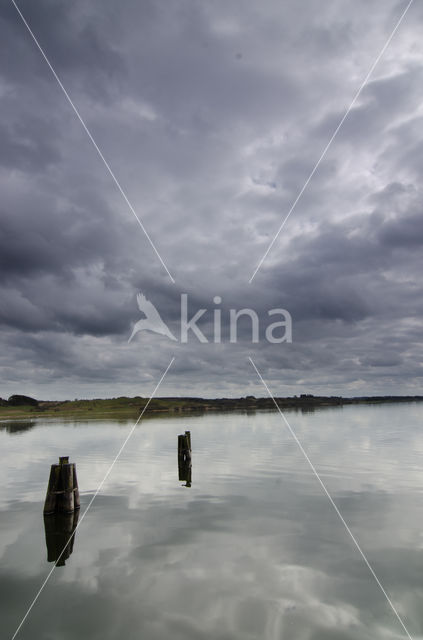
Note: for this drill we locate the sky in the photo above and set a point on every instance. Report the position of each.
(211, 116)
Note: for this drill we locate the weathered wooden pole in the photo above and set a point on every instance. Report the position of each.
(65, 499)
(76, 499)
(52, 488)
(62, 491)
(184, 445)
(181, 446)
(188, 443)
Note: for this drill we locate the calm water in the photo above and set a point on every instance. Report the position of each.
(253, 549)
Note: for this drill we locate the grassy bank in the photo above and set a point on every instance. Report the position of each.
(129, 407)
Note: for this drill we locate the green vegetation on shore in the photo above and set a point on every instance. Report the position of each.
(128, 407)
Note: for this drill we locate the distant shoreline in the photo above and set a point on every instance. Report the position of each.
(124, 406)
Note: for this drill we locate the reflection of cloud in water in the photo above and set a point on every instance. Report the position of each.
(212, 567)
(252, 550)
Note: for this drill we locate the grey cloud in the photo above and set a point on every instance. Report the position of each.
(71, 38)
(212, 119)
(22, 151)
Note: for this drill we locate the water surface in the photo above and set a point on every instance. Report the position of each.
(252, 549)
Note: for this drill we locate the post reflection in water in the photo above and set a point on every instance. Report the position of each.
(185, 471)
(59, 527)
(184, 458)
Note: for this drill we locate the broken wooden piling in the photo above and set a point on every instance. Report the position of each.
(62, 491)
(184, 445)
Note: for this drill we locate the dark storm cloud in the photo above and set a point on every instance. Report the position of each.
(21, 150)
(211, 117)
(67, 34)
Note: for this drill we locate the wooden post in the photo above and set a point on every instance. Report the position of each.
(62, 491)
(77, 501)
(181, 446)
(65, 501)
(188, 445)
(53, 484)
(184, 445)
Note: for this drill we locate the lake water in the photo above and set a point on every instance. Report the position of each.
(252, 549)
